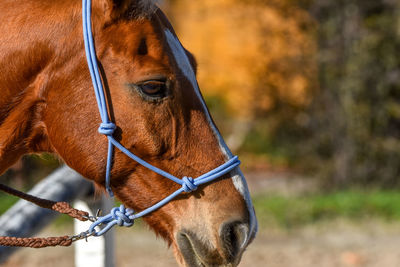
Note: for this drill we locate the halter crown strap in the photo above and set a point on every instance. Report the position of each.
(121, 216)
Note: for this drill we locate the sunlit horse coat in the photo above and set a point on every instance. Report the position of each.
(47, 105)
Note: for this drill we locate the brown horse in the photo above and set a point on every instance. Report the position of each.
(47, 104)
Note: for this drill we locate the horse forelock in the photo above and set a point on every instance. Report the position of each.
(142, 8)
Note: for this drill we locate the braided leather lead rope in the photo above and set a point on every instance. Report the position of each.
(37, 242)
(61, 207)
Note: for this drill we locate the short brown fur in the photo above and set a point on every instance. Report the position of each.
(47, 104)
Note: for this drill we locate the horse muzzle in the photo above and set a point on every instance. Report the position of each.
(232, 240)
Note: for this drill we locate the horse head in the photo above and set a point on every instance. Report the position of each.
(154, 99)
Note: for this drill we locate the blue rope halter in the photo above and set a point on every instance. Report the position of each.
(121, 216)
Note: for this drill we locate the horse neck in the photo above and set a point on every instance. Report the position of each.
(41, 39)
(35, 32)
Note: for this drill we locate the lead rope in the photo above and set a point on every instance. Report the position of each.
(38, 242)
(35, 242)
(61, 207)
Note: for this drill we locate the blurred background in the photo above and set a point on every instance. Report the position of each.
(307, 93)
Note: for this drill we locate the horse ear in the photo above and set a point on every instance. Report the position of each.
(114, 9)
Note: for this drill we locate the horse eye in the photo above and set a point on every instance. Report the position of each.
(154, 88)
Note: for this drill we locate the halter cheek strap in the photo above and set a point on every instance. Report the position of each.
(120, 215)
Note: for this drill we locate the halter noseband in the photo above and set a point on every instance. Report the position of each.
(120, 215)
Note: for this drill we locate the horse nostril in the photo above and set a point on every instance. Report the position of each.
(233, 236)
(195, 252)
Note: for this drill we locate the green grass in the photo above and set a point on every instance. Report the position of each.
(290, 212)
(6, 202)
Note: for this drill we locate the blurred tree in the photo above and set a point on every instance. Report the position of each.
(355, 117)
(316, 82)
(252, 55)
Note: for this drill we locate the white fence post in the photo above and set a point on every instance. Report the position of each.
(96, 251)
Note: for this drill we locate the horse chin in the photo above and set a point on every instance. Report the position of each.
(196, 254)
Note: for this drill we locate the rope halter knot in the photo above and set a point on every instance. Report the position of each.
(107, 128)
(121, 216)
(188, 184)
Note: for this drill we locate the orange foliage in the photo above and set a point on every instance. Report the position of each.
(249, 52)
